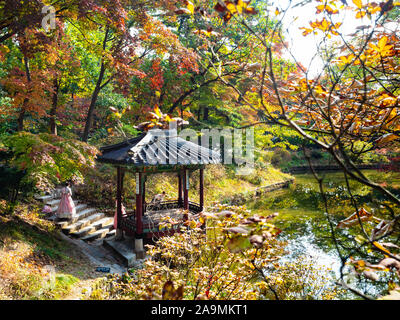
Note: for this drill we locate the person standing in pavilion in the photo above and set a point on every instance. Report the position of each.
(158, 198)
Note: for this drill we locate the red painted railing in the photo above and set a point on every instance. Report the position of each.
(129, 221)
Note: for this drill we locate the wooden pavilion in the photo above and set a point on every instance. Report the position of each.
(154, 152)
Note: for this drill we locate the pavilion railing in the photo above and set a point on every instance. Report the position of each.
(194, 207)
(163, 205)
(129, 221)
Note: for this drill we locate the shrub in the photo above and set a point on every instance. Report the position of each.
(49, 159)
(280, 157)
(99, 188)
(11, 186)
(236, 258)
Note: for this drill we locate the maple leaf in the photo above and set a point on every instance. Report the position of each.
(353, 219)
(229, 8)
(358, 3)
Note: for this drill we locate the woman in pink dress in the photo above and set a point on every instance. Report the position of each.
(66, 208)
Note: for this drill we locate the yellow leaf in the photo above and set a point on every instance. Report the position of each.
(378, 245)
(330, 10)
(346, 60)
(167, 118)
(360, 14)
(359, 239)
(327, 8)
(239, 6)
(306, 31)
(382, 42)
(358, 3)
(320, 8)
(192, 224)
(375, 10)
(157, 111)
(190, 7)
(231, 7)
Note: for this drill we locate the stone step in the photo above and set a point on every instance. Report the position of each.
(101, 224)
(83, 214)
(80, 207)
(111, 235)
(123, 250)
(97, 242)
(44, 198)
(53, 202)
(83, 223)
(62, 224)
(79, 216)
(102, 233)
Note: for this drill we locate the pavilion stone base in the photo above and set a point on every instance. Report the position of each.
(124, 250)
(139, 250)
(119, 235)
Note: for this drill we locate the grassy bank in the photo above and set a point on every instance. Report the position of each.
(35, 263)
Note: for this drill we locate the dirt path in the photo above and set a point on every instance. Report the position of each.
(89, 257)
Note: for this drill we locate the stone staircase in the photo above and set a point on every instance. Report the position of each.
(88, 225)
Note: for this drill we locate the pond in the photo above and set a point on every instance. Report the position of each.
(304, 222)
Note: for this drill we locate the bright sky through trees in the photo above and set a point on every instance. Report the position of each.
(304, 49)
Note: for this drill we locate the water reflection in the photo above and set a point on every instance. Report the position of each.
(305, 225)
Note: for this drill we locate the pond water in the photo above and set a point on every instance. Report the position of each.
(303, 219)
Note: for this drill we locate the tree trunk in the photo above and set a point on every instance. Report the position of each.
(99, 86)
(26, 100)
(95, 95)
(53, 111)
(21, 118)
(205, 115)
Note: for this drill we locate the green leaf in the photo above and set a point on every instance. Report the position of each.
(238, 244)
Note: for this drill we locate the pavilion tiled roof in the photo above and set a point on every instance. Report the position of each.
(158, 148)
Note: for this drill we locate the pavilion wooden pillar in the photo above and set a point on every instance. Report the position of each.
(144, 194)
(201, 189)
(119, 233)
(180, 199)
(139, 217)
(186, 191)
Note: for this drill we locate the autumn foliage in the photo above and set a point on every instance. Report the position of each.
(111, 69)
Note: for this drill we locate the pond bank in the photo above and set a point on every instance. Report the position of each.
(241, 198)
(333, 168)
